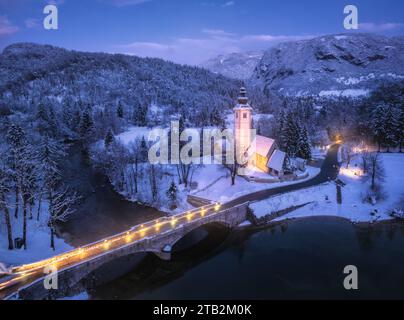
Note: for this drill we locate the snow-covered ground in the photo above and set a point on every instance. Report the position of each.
(38, 240)
(210, 181)
(222, 191)
(322, 199)
(133, 134)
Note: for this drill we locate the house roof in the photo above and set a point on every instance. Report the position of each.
(276, 161)
(263, 145)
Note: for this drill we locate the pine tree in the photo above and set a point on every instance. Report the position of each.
(143, 150)
(172, 192)
(399, 115)
(86, 127)
(290, 134)
(304, 144)
(109, 139)
(391, 125)
(378, 125)
(119, 111)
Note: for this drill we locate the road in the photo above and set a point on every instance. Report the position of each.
(26, 274)
(329, 171)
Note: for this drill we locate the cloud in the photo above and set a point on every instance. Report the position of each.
(381, 27)
(267, 38)
(31, 23)
(55, 2)
(124, 3)
(6, 27)
(213, 42)
(228, 4)
(218, 33)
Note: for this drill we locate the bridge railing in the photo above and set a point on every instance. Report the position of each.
(94, 249)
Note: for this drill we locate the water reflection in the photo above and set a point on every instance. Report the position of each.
(292, 260)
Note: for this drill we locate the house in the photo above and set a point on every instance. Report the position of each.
(263, 153)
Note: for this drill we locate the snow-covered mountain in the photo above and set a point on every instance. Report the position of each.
(334, 65)
(235, 65)
(67, 81)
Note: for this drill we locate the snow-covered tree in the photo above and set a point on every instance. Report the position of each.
(304, 144)
(4, 190)
(61, 207)
(48, 155)
(378, 125)
(172, 192)
(16, 139)
(119, 111)
(109, 138)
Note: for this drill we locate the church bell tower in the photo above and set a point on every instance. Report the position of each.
(242, 123)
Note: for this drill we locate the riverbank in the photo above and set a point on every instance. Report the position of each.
(322, 200)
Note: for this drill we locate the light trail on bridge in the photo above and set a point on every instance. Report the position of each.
(24, 275)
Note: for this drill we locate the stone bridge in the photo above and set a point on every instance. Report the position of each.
(71, 279)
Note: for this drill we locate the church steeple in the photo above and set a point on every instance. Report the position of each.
(242, 122)
(242, 99)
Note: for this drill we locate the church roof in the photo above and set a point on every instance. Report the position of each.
(263, 145)
(277, 160)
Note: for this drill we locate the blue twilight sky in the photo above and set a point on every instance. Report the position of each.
(188, 31)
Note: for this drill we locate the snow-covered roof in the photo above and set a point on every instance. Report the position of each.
(276, 161)
(263, 145)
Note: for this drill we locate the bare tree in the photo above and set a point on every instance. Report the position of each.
(27, 187)
(347, 153)
(61, 207)
(373, 163)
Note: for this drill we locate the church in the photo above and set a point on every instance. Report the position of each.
(263, 153)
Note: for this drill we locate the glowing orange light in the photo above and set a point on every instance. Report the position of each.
(106, 245)
(217, 207)
(189, 216)
(128, 237)
(173, 222)
(203, 212)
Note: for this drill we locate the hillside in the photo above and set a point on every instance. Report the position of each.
(66, 82)
(235, 65)
(350, 65)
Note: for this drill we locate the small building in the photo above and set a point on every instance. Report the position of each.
(276, 163)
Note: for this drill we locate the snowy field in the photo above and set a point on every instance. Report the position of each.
(323, 200)
(38, 240)
(222, 191)
(212, 181)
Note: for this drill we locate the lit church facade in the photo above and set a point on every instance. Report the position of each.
(263, 153)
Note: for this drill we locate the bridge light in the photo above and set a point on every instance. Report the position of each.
(217, 207)
(189, 216)
(128, 237)
(203, 211)
(173, 222)
(106, 245)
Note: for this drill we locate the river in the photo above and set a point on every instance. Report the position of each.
(299, 259)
